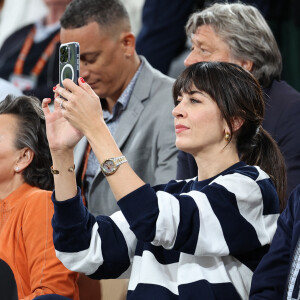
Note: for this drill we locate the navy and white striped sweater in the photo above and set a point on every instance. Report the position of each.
(185, 240)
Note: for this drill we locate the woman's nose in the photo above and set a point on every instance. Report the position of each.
(178, 111)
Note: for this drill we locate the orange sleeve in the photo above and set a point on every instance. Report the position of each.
(47, 274)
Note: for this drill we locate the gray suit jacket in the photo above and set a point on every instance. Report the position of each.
(145, 135)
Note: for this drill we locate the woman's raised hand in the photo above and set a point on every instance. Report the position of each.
(60, 133)
(83, 109)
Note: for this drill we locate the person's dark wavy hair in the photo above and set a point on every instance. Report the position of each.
(238, 94)
(31, 133)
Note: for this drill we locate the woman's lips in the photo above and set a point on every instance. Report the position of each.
(179, 128)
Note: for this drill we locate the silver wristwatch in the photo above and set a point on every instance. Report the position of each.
(111, 165)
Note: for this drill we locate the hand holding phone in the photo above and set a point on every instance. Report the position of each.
(69, 61)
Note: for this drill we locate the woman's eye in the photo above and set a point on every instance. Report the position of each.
(194, 100)
(178, 101)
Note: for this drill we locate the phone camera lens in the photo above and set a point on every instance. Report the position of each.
(64, 54)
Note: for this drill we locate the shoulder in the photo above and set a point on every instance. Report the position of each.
(282, 115)
(242, 172)
(248, 184)
(37, 198)
(154, 90)
(293, 205)
(16, 37)
(154, 74)
(36, 206)
(280, 90)
(175, 186)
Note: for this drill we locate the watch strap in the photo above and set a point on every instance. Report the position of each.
(117, 161)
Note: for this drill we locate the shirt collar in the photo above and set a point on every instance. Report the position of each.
(125, 96)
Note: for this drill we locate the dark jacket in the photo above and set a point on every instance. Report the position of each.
(9, 53)
(8, 287)
(275, 277)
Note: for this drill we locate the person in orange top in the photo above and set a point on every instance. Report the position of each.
(26, 208)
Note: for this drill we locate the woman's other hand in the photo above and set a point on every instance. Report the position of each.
(83, 109)
(60, 133)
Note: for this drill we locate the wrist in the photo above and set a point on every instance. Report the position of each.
(98, 131)
(61, 154)
(56, 172)
(62, 159)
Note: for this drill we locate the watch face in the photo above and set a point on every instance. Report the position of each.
(108, 166)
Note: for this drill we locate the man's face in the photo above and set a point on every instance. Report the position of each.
(102, 59)
(208, 46)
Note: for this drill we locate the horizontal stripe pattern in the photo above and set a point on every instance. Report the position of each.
(166, 228)
(200, 240)
(86, 261)
(247, 191)
(145, 269)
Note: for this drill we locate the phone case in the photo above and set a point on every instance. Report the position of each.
(69, 60)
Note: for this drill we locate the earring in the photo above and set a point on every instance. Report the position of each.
(227, 137)
(17, 169)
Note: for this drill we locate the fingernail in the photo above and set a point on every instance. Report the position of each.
(82, 80)
(54, 88)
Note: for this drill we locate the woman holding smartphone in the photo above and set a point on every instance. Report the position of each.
(189, 239)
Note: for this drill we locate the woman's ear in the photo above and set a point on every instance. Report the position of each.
(26, 156)
(236, 123)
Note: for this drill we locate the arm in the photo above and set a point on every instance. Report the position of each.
(214, 221)
(289, 142)
(107, 243)
(282, 119)
(41, 259)
(100, 247)
(87, 119)
(269, 279)
(201, 210)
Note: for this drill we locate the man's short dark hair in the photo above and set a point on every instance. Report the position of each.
(106, 13)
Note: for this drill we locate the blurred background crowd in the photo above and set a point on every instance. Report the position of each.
(283, 17)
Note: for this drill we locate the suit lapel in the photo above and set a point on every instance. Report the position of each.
(131, 115)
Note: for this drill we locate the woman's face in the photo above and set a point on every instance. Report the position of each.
(199, 126)
(8, 152)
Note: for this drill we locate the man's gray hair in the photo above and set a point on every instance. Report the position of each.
(246, 32)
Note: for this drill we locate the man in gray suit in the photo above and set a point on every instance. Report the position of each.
(136, 99)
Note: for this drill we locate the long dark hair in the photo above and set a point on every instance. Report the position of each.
(238, 94)
(31, 133)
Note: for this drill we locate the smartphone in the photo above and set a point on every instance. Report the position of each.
(69, 61)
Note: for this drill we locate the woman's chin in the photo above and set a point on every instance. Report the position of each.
(184, 148)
